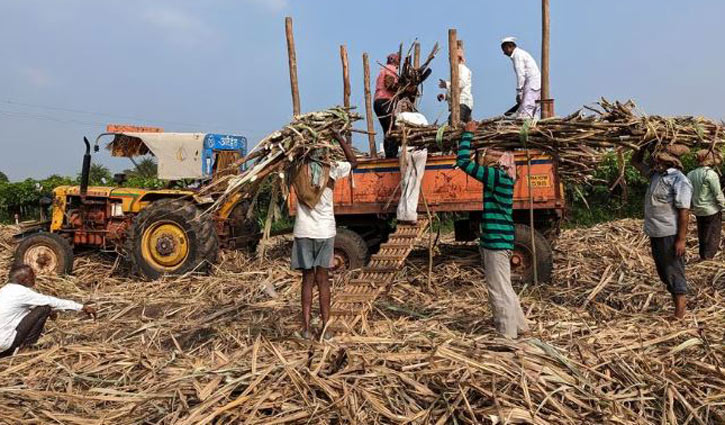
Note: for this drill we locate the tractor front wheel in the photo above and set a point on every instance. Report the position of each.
(46, 253)
(172, 237)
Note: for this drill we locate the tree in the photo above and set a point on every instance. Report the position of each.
(3, 177)
(99, 175)
(144, 169)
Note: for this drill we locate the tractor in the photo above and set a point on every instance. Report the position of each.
(159, 231)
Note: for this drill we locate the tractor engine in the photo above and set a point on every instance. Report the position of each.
(96, 222)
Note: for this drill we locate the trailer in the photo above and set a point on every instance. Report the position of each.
(365, 205)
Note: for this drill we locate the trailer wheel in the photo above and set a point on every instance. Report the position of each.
(171, 237)
(351, 251)
(47, 254)
(522, 259)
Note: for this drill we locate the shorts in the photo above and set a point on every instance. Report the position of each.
(309, 253)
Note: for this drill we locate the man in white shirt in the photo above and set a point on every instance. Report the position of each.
(528, 78)
(314, 239)
(23, 312)
(464, 84)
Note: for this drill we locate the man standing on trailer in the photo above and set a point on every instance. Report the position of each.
(385, 86)
(465, 86)
(23, 312)
(708, 202)
(528, 79)
(497, 231)
(314, 230)
(666, 215)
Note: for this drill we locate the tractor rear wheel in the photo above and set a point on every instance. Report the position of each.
(47, 254)
(522, 259)
(172, 237)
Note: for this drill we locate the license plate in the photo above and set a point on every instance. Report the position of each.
(541, 180)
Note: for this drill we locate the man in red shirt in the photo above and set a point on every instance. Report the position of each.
(385, 87)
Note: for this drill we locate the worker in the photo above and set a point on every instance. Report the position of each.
(464, 85)
(497, 231)
(666, 215)
(23, 312)
(386, 85)
(708, 202)
(314, 230)
(528, 78)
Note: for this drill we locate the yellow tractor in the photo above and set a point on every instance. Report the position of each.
(160, 231)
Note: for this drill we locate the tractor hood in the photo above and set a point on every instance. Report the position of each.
(179, 154)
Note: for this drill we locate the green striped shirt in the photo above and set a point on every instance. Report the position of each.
(497, 224)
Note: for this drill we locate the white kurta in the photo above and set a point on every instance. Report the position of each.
(528, 82)
(16, 301)
(465, 82)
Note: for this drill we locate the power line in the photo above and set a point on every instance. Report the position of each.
(115, 116)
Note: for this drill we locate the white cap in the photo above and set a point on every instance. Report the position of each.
(508, 40)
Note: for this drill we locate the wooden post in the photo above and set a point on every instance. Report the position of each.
(547, 104)
(345, 77)
(292, 56)
(416, 55)
(369, 107)
(455, 90)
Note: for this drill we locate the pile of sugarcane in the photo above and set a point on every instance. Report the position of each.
(274, 157)
(579, 141)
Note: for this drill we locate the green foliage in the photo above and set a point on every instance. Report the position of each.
(99, 175)
(3, 177)
(145, 169)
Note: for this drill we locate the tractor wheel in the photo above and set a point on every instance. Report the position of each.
(171, 237)
(522, 259)
(245, 231)
(351, 251)
(46, 253)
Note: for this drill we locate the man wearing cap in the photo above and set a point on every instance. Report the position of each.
(708, 202)
(497, 231)
(666, 214)
(528, 78)
(464, 85)
(385, 86)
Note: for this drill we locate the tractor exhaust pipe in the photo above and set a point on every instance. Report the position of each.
(86, 169)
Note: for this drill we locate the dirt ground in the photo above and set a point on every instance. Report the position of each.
(221, 348)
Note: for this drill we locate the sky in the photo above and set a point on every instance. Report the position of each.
(68, 68)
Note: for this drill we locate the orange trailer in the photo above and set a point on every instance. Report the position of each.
(365, 204)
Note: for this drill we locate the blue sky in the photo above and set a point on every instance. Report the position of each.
(69, 67)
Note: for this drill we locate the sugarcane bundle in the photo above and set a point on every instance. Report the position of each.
(579, 141)
(274, 158)
(410, 77)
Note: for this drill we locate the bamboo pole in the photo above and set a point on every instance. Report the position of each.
(345, 76)
(416, 55)
(292, 57)
(369, 107)
(455, 92)
(547, 104)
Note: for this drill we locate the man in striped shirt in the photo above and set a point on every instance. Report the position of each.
(497, 231)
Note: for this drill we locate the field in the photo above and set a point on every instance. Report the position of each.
(221, 348)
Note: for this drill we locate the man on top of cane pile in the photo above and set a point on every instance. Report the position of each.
(497, 231)
(528, 78)
(314, 230)
(666, 215)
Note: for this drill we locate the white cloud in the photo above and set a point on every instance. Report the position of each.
(36, 77)
(178, 26)
(273, 5)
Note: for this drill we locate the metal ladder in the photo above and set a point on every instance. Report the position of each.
(351, 306)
